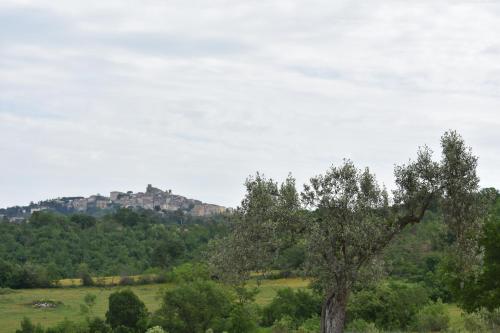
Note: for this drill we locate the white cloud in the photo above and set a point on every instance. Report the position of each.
(194, 96)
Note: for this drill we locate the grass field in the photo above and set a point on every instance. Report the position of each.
(16, 305)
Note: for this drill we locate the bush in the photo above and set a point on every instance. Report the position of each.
(98, 325)
(361, 326)
(284, 325)
(68, 326)
(432, 318)
(243, 319)
(84, 275)
(156, 329)
(299, 305)
(126, 311)
(311, 325)
(29, 276)
(145, 279)
(391, 305)
(126, 281)
(482, 321)
(28, 327)
(190, 272)
(194, 307)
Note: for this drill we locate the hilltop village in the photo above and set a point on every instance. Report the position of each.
(153, 199)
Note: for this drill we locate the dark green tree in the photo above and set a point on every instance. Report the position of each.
(194, 307)
(84, 275)
(126, 310)
(298, 305)
(83, 220)
(482, 290)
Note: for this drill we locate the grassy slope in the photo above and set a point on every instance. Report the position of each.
(13, 307)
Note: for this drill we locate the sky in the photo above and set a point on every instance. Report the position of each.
(194, 96)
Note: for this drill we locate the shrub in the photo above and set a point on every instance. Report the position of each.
(28, 327)
(299, 305)
(156, 329)
(284, 325)
(482, 321)
(84, 275)
(190, 272)
(432, 318)
(98, 325)
(311, 325)
(145, 279)
(68, 326)
(161, 277)
(473, 323)
(194, 307)
(126, 281)
(29, 276)
(126, 311)
(243, 319)
(390, 305)
(361, 326)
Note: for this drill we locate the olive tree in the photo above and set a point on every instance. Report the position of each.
(346, 219)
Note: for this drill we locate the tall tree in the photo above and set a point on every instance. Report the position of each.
(126, 310)
(346, 219)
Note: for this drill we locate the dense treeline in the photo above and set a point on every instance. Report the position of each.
(52, 246)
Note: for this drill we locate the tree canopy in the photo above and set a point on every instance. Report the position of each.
(346, 218)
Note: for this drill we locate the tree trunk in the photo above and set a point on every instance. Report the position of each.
(333, 313)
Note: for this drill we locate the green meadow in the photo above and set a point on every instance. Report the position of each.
(18, 304)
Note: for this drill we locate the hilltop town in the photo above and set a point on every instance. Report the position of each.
(153, 199)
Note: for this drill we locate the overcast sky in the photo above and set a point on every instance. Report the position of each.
(194, 96)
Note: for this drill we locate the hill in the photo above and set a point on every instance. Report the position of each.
(152, 199)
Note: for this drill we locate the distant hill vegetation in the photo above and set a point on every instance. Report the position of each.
(50, 246)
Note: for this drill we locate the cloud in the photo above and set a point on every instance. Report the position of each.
(97, 96)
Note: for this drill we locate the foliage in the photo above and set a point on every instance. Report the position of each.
(27, 275)
(84, 275)
(126, 310)
(89, 303)
(311, 325)
(391, 305)
(432, 318)
(52, 246)
(350, 221)
(361, 326)
(243, 318)
(194, 307)
(156, 329)
(284, 325)
(418, 255)
(68, 326)
(299, 305)
(483, 321)
(483, 288)
(28, 327)
(98, 325)
(190, 272)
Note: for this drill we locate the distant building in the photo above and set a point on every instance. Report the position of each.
(152, 199)
(16, 219)
(115, 195)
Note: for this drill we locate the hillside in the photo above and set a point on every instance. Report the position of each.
(128, 241)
